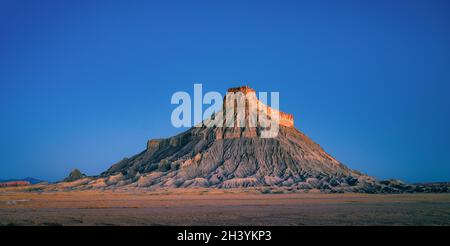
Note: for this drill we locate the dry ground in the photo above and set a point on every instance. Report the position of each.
(220, 207)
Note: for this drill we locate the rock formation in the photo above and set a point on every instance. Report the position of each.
(284, 118)
(74, 175)
(236, 157)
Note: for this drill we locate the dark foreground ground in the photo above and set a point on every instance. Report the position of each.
(218, 207)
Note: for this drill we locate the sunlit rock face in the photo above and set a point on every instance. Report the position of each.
(251, 99)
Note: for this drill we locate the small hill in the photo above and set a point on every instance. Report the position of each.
(74, 175)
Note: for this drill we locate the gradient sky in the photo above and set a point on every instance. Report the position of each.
(85, 83)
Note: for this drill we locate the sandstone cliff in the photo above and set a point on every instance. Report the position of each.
(284, 118)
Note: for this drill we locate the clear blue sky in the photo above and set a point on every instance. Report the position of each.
(85, 83)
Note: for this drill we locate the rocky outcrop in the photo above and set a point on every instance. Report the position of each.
(74, 175)
(285, 119)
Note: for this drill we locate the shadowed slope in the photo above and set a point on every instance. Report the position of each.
(208, 157)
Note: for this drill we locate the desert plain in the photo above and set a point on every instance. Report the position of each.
(219, 207)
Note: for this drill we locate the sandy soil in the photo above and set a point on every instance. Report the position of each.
(220, 207)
